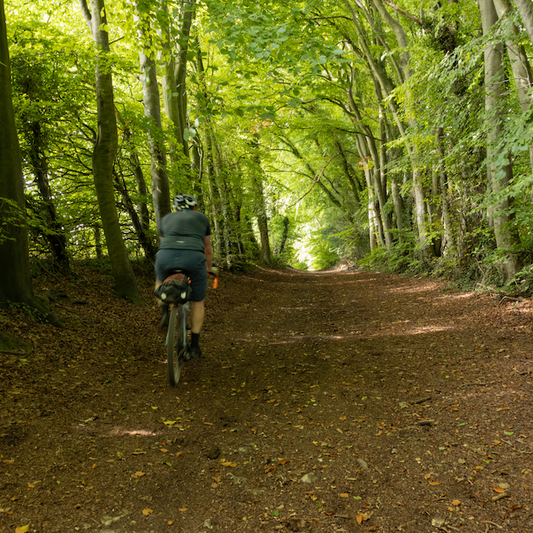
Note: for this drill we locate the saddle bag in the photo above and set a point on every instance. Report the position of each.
(174, 290)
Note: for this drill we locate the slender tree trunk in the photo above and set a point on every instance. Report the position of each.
(259, 201)
(98, 242)
(175, 75)
(398, 207)
(525, 8)
(443, 182)
(372, 220)
(519, 65)
(214, 202)
(262, 220)
(241, 231)
(55, 235)
(417, 175)
(222, 193)
(144, 240)
(152, 110)
(104, 152)
(379, 222)
(15, 281)
(494, 72)
(226, 247)
(144, 214)
(381, 181)
(284, 235)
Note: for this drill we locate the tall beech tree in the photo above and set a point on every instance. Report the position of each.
(15, 281)
(176, 44)
(105, 149)
(498, 175)
(152, 111)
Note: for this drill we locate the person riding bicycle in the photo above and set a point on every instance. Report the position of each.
(185, 244)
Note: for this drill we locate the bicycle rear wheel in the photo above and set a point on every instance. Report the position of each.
(175, 344)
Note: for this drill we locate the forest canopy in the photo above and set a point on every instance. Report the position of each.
(396, 134)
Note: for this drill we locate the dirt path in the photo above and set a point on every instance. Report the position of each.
(327, 402)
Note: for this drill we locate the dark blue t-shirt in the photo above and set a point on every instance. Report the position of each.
(184, 230)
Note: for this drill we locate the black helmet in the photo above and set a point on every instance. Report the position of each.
(184, 201)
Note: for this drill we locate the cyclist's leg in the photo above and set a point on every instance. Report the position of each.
(197, 316)
(198, 276)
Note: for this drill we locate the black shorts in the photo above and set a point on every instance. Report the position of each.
(191, 262)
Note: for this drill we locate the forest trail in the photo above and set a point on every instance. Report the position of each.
(343, 401)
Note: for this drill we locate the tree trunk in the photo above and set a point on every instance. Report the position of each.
(494, 73)
(284, 235)
(381, 180)
(54, 235)
(519, 65)
(144, 240)
(104, 152)
(224, 193)
(152, 110)
(448, 241)
(214, 202)
(262, 220)
(398, 207)
(15, 281)
(373, 229)
(418, 188)
(144, 214)
(259, 202)
(525, 8)
(175, 75)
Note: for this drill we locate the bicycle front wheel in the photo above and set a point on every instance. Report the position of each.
(175, 344)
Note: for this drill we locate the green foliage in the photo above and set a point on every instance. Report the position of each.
(399, 259)
(283, 109)
(321, 251)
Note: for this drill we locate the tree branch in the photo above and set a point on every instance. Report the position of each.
(404, 13)
(324, 188)
(86, 14)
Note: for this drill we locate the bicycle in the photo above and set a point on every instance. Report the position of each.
(176, 340)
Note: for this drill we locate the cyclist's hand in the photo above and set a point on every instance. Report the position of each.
(214, 271)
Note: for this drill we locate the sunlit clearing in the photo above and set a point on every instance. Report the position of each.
(302, 255)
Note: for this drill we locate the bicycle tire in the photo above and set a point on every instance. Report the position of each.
(175, 345)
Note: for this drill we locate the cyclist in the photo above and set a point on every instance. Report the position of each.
(185, 243)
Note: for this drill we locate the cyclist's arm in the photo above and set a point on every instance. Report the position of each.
(208, 252)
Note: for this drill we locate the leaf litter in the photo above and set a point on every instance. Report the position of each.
(342, 353)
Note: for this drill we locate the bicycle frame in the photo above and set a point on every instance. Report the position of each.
(185, 309)
(176, 339)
